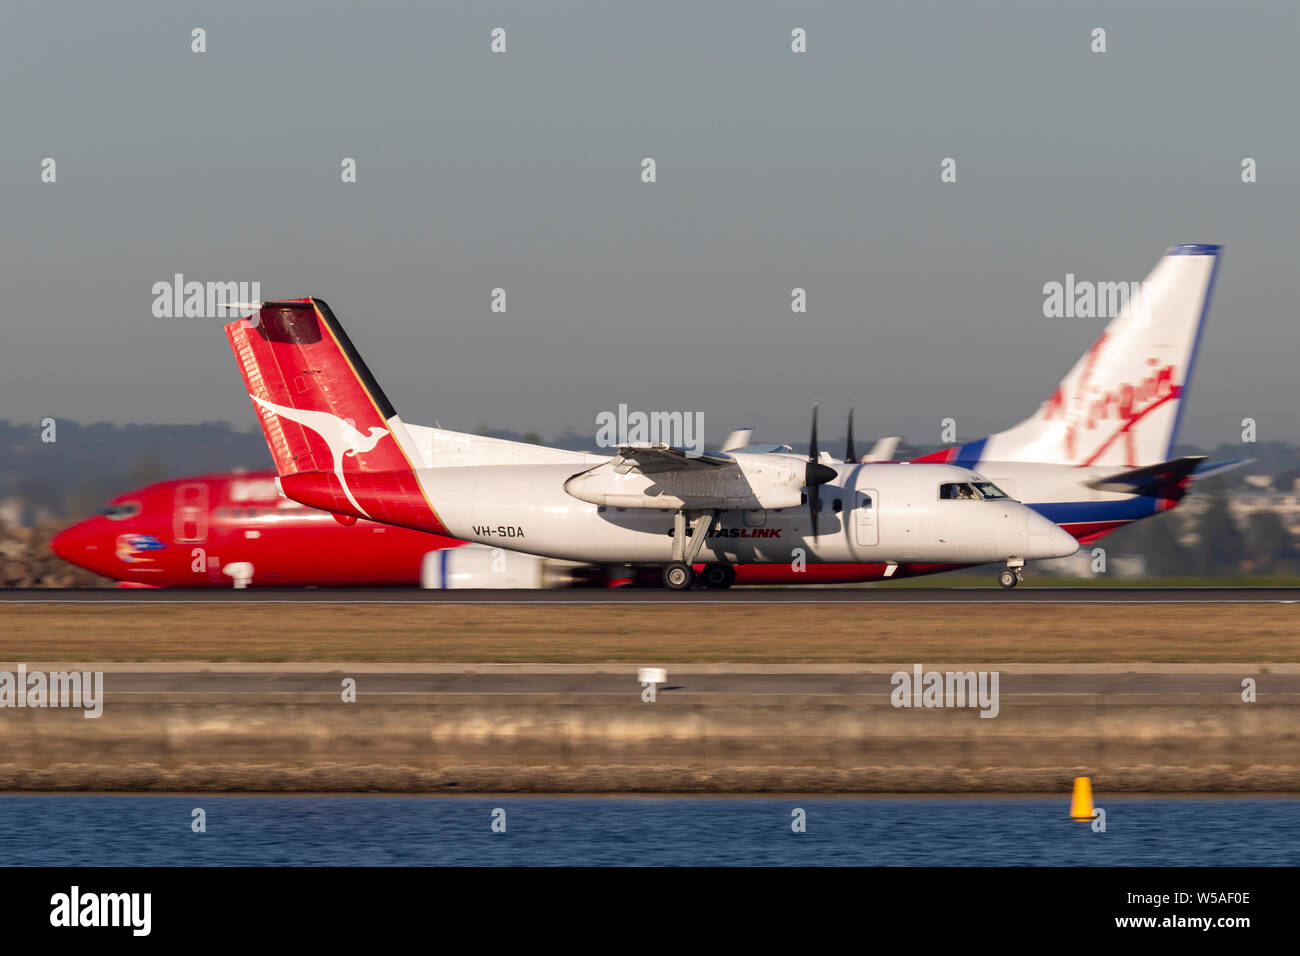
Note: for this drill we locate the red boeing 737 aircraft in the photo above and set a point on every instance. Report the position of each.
(228, 530)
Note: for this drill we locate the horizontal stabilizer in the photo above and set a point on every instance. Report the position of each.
(1150, 479)
(1212, 469)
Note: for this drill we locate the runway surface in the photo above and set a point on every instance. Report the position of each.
(621, 681)
(809, 595)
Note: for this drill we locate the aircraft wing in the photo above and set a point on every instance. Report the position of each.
(658, 458)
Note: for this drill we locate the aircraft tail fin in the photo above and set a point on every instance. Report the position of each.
(336, 439)
(1122, 402)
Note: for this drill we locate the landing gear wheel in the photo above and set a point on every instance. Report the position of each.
(718, 576)
(1008, 579)
(679, 577)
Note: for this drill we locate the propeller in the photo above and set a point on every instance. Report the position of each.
(815, 475)
(850, 454)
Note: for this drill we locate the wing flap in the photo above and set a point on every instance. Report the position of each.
(659, 458)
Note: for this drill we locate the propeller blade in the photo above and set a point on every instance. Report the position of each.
(850, 453)
(813, 454)
(815, 474)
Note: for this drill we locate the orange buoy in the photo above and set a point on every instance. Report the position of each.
(1081, 802)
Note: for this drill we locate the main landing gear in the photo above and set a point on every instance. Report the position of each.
(1012, 575)
(679, 577)
(680, 574)
(718, 576)
(682, 577)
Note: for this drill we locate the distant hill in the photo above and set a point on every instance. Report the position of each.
(88, 464)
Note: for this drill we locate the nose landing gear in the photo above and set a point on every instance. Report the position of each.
(1012, 575)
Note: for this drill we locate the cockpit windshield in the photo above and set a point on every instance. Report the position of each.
(971, 490)
(128, 509)
(989, 490)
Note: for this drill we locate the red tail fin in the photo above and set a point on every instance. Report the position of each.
(336, 440)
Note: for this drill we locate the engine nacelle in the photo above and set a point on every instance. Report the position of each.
(750, 483)
(479, 566)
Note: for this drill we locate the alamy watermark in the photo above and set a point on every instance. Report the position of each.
(179, 299)
(946, 689)
(39, 689)
(676, 429)
(76, 908)
(1084, 299)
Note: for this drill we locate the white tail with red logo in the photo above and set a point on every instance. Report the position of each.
(1122, 402)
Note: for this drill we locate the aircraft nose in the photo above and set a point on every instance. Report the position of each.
(67, 543)
(1047, 539)
(80, 545)
(1062, 543)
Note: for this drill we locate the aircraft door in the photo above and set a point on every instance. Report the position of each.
(190, 513)
(864, 519)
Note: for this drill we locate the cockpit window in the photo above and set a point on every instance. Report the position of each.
(989, 490)
(127, 509)
(973, 490)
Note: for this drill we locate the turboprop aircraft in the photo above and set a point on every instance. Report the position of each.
(1099, 452)
(339, 445)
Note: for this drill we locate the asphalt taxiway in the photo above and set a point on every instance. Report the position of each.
(634, 596)
(224, 681)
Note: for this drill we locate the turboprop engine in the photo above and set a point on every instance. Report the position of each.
(740, 481)
(668, 478)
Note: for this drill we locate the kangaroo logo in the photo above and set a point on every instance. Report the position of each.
(341, 437)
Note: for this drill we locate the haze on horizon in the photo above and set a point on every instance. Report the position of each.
(522, 171)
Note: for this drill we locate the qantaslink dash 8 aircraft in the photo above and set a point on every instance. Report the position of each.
(250, 535)
(339, 445)
(1099, 452)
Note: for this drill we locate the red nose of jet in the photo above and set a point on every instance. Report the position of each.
(77, 545)
(65, 544)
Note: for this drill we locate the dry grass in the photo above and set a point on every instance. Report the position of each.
(767, 633)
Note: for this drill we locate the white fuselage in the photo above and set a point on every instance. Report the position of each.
(870, 513)
(1063, 495)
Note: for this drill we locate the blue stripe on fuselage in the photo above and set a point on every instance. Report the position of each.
(1080, 512)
